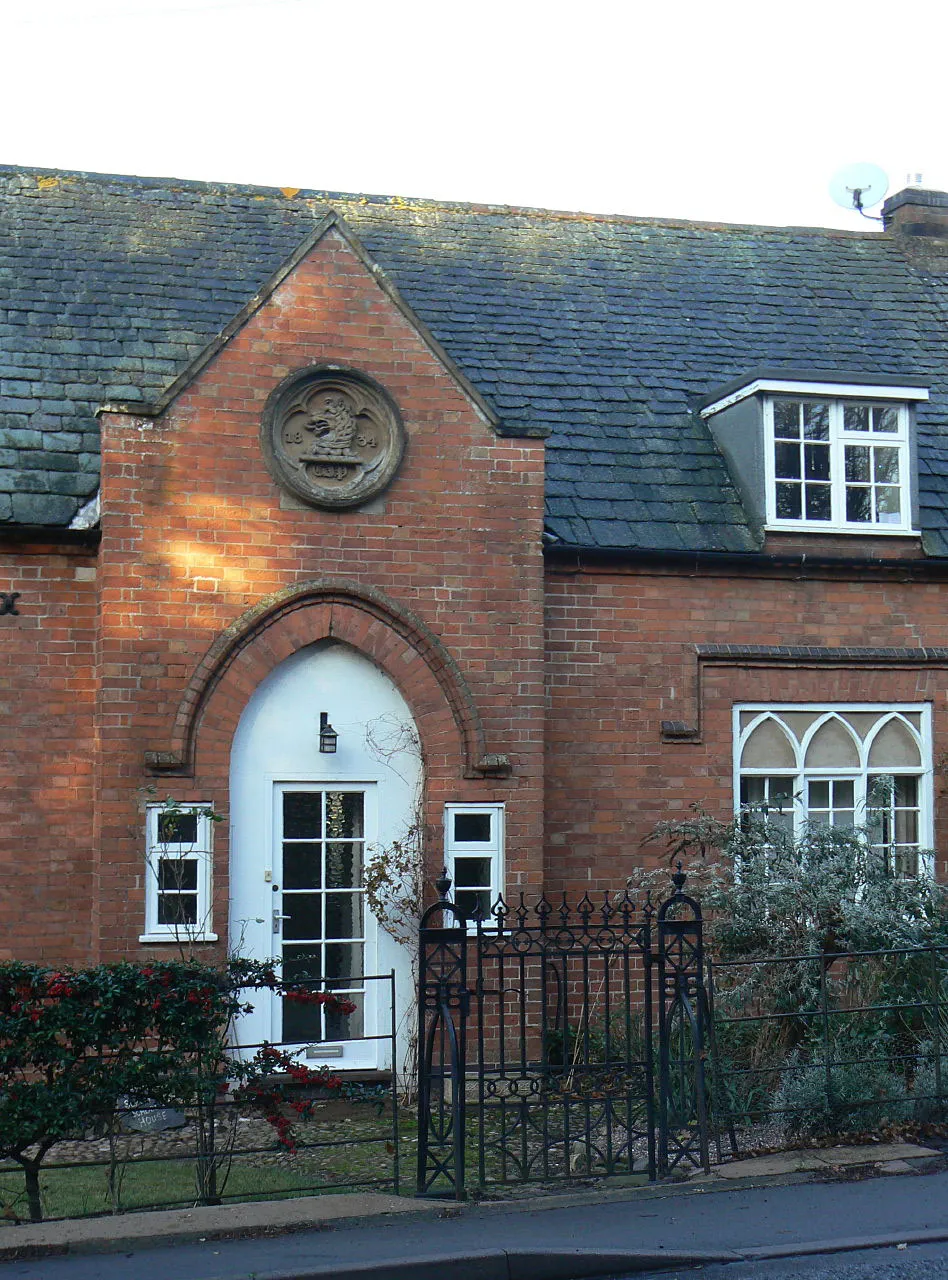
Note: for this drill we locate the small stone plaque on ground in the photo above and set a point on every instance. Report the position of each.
(140, 1115)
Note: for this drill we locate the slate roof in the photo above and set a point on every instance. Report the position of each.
(605, 331)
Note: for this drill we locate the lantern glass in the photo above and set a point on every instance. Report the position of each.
(327, 735)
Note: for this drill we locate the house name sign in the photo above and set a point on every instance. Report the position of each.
(332, 436)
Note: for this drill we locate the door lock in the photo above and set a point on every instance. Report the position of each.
(277, 917)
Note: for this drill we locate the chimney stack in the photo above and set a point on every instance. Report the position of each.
(917, 212)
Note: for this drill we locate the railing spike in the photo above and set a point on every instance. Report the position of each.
(522, 912)
(500, 913)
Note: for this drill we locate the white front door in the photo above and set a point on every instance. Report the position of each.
(303, 826)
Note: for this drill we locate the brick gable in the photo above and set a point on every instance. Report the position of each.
(195, 532)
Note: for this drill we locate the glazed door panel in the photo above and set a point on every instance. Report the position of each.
(319, 916)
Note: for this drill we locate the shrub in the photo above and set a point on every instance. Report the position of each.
(766, 892)
(929, 1094)
(599, 1042)
(783, 915)
(75, 1041)
(743, 1071)
(858, 1097)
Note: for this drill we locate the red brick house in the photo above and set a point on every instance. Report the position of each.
(551, 524)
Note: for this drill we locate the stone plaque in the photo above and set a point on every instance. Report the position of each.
(142, 1115)
(332, 436)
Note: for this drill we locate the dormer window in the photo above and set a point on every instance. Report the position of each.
(821, 456)
(840, 464)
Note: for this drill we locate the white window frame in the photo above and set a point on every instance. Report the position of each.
(801, 775)
(201, 852)
(492, 849)
(839, 438)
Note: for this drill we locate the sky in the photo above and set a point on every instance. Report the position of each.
(728, 111)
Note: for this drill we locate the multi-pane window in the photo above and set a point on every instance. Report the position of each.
(473, 848)
(178, 873)
(866, 766)
(769, 795)
(896, 821)
(320, 917)
(838, 464)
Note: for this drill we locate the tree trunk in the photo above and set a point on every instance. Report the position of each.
(31, 1170)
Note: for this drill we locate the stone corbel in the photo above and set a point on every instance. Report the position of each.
(166, 762)
(493, 765)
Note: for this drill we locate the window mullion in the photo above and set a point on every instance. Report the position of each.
(862, 795)
(799, 805)
(837, 465)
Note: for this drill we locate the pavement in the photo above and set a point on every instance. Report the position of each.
(794, 1203)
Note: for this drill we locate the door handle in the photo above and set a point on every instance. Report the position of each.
(277, 917)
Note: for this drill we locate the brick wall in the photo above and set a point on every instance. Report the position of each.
(621, 659)
(209, 575)
(47, 656)
(195, 534)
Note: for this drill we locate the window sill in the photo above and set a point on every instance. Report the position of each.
(177, 937)
(849, 530)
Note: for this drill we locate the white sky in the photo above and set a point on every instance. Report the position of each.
(735, 110)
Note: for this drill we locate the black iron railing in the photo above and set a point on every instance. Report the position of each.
(826, 1044)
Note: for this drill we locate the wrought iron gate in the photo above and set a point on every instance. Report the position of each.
(560, 1041)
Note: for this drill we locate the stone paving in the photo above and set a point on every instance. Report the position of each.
(820, 1159)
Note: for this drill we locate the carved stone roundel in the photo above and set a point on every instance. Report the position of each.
(332, 436)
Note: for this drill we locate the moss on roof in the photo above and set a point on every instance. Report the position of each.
(606, 331)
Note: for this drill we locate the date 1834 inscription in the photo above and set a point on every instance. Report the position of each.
(333, 436)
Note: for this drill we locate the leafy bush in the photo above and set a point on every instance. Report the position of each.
(858, 1097)
(929, 1092)
(73, 1042)
(585, 1061)
(742, 1074)
(784, 916)
(766, 892)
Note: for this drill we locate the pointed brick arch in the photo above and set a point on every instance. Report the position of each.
(390, 635)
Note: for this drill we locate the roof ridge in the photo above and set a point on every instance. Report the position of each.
(306, 194)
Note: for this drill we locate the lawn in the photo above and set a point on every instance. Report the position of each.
(354, 1150)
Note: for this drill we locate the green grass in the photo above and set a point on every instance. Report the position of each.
(82, 1190)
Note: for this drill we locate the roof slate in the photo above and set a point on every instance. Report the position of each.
(606, 332)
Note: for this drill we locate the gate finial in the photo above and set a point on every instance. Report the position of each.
(443, 885)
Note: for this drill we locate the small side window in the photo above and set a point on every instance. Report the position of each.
(178, 873)
(473, 854)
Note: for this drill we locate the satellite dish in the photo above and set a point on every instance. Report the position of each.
(859, 186)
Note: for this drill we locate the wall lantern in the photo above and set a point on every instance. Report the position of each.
(327, 735)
